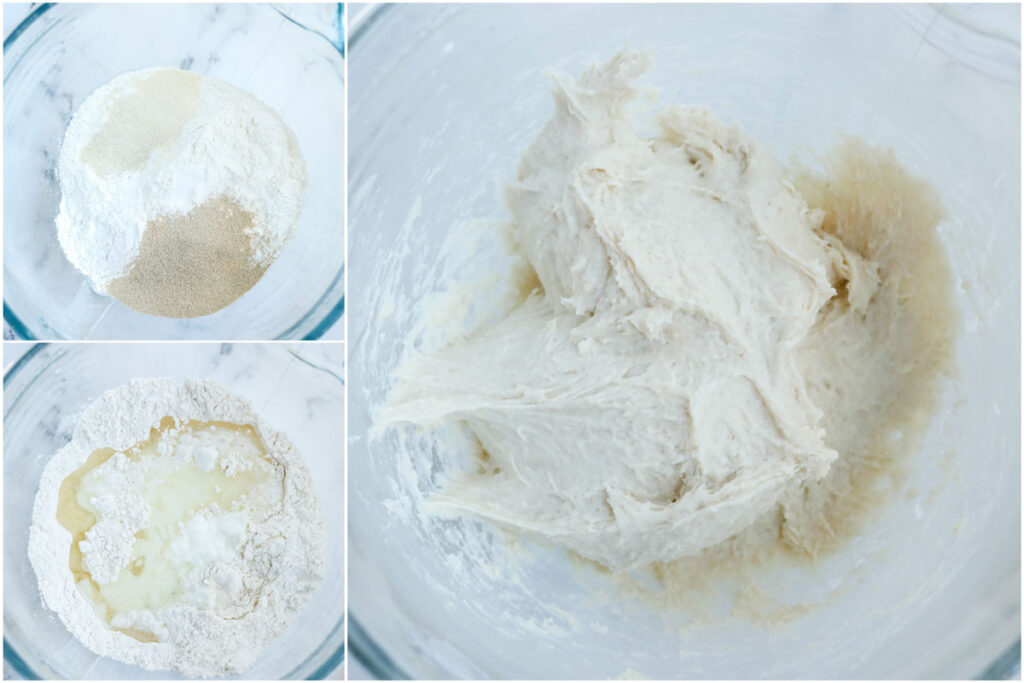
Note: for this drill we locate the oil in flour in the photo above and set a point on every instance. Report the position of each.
(176, 530)
(195, 478)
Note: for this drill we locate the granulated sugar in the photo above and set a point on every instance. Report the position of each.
(178, 191)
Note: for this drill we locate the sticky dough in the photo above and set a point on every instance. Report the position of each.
(652, 397)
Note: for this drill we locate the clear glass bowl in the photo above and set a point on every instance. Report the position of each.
(297, 388)
(291, 57)
(443, 100)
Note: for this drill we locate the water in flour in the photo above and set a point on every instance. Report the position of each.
(177, 191)
(176, 530)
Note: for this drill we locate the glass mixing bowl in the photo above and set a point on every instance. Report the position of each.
(297, 388)
(444, 99)
(291, 57)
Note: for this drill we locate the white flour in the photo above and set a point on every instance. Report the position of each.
(249, 570)
(159, 142)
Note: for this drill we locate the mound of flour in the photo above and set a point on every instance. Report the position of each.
(208, 168)
(252, 594)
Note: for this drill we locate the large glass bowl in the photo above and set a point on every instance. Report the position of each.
(444, 99)
(289, 56)
(297, 389)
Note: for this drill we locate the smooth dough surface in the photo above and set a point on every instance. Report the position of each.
(660, 391)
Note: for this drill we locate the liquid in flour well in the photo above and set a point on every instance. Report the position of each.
(196, 478)
(176, 530)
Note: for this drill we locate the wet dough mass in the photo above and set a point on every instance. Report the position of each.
(704, 352)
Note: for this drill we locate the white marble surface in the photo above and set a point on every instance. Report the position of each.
(14, 12)
(13, 350)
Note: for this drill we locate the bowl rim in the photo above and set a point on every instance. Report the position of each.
(23, 331)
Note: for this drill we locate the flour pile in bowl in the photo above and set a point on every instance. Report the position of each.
(709, 354)
(176, 530)
(178, 191)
